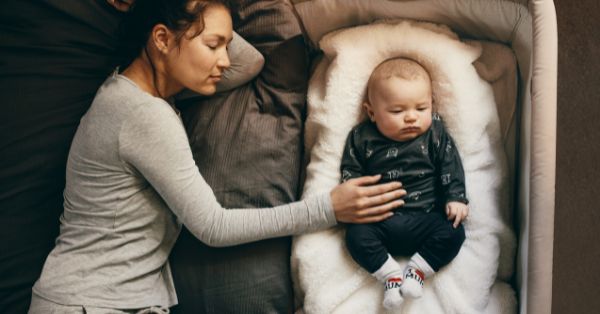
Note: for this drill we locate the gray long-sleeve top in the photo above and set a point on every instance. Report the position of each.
(131, 182)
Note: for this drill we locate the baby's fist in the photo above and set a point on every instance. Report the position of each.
(457, 211)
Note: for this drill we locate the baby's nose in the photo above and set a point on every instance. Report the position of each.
(410, 116)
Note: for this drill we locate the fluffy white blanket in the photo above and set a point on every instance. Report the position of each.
(326, 278)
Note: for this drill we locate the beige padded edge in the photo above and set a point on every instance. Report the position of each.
(543, 156)
(517, 27)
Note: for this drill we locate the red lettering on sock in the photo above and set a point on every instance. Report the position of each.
(398, 280)
(420, 274)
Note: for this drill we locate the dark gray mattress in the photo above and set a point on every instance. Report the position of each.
(53, 57)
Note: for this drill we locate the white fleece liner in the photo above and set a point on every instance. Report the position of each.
(326, 278)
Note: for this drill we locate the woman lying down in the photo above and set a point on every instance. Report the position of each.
(132, 181)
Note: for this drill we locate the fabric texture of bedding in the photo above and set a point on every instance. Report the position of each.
(54, 54)
(248, 146)
(326, 278)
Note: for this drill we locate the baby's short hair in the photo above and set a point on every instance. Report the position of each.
(403, 68)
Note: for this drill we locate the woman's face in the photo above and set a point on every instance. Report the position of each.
(199, 61)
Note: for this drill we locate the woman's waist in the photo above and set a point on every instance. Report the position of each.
(111, 278)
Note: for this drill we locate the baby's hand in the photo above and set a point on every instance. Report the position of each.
(457, 211)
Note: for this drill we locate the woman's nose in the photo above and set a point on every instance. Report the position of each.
(223, 62)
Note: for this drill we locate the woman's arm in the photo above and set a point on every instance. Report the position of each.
(155, 143)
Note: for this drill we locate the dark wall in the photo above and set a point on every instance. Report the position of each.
(577, 220)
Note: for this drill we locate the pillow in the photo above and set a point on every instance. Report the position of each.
(247, 144)
(326, 277)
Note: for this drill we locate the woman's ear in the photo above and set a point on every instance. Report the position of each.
(369, 110)
(162, 38)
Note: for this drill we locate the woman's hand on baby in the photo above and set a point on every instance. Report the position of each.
(361, 200)
(457, 211)
(121, 5)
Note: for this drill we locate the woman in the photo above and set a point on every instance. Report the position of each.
(132, 181)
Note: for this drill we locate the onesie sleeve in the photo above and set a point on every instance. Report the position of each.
(154, 142)
(352, 163)
(452, 175)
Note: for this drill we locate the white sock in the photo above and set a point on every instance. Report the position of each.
(390, 274)
(414, 274)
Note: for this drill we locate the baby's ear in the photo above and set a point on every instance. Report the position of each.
(369, 110)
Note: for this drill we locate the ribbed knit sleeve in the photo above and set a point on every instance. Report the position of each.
(153, 142)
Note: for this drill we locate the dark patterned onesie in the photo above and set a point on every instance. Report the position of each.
(431, 172)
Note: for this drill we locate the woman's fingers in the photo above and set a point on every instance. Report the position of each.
(374, 190)
(380, 199)
(361, 200)
(380, 209)
(373, 219)
(366, 180)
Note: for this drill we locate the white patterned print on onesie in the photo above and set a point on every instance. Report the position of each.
(448, 148)
(445, 179)
(392, 153)
(414, 195)
(394, 174)
(346, 175)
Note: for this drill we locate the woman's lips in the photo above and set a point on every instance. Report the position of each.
(215, 78)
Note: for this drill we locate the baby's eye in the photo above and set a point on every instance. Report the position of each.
(423, 108)
(396, 111)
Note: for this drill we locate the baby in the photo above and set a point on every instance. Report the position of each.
(405, 141)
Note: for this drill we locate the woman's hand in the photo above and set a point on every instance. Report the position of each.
(359, 200)
(121, 5)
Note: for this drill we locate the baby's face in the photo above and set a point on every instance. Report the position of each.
(401, 108)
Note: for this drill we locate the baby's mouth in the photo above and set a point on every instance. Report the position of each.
(411, 129)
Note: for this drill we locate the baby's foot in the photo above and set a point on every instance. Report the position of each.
(392, 299)
(412, 286)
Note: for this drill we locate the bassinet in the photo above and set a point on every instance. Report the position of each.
(529, 29)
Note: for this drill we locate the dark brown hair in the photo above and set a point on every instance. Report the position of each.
(178, 15)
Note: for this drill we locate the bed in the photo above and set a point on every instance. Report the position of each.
(265, 118)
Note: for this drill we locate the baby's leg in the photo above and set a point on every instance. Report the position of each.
(439, 244)
(366, 245)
